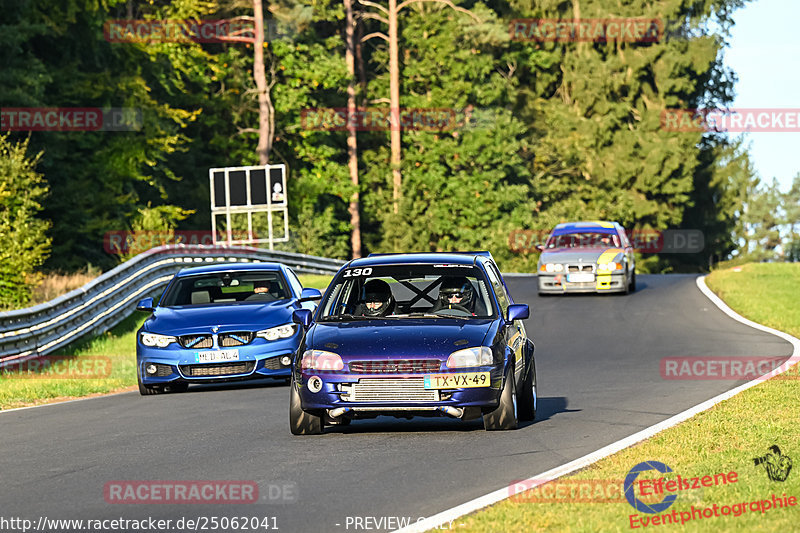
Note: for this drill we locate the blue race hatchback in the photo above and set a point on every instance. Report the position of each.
(221, 323)
(414, 335)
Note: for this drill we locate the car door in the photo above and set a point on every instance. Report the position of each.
(514, 334)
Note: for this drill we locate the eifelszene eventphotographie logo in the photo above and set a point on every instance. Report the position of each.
(775, 463)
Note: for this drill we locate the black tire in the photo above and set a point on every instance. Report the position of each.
(527, 400)
(144, 390)
(301, 422)
(504, 417)
(633, 282)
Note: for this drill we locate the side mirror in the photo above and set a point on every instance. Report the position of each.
(146, 305)
(309, 294)
(302, 316)
(539, 247)
(518, 312)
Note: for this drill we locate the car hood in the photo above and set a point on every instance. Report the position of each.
(573, 255)
(401, 338)
(236, 317)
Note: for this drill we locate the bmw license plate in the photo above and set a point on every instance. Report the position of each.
(216, 356)
(580, 277)
(457, 381)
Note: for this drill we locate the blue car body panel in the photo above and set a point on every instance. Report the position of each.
(387, 344)
(260, 357)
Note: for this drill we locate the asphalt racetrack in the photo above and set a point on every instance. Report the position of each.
(599, 379)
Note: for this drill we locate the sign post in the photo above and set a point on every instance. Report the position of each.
(248, 190)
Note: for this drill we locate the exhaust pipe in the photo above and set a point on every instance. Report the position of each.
(455, 412)
(339, 411)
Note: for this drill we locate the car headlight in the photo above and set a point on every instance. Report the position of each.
(469, 357)
(278, 332)
(609, 266)
(321, 360)
(549, 267)
(154, 339)
(559, 267)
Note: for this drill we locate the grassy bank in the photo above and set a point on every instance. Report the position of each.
(113, 356)
(723, 439)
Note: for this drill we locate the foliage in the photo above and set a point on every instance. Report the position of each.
(23, 243)
(564, 131)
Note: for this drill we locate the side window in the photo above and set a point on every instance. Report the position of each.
(497, 285)
(297, 287)
(624, 238)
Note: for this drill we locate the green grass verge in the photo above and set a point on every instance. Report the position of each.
(725, 438)
(113, 365)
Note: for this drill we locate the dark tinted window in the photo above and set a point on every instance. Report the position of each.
(226, 288)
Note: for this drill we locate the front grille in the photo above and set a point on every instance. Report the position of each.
(389, 390)
(273, 363)
(163, 370)
(196, 341)
(218, 369)
(580, 268)
(239, 338)
(396, 366)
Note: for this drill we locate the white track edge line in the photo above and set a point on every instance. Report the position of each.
(450, 515)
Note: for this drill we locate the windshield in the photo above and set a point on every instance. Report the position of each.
(226, 288)
(584, 239)
(408, 291)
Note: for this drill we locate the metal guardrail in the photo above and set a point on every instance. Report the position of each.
(107, 300)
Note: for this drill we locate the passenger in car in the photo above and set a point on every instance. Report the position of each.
(455, 292)
(261, 292)
(377, 301)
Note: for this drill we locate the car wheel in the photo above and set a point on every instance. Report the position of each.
(633, 282)
(527, 400)
(145, 390)
(301, 422)
(505, 416)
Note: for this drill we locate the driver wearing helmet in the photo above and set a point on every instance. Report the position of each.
(456, 293)
(378, 299)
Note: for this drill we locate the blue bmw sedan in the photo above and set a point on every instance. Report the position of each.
(414, 335)
(221, 323)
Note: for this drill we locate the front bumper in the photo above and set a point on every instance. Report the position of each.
(394, 393)
(257, 360)
(556, 283)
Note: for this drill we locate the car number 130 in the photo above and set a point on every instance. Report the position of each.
(356, 272)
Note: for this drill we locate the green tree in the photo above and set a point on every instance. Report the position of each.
(762, 219)
(24, 244)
